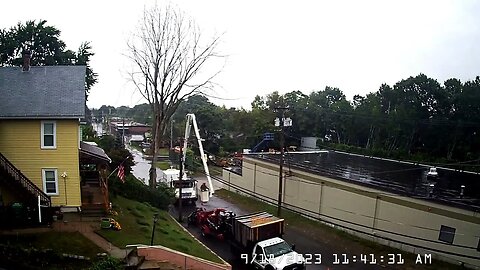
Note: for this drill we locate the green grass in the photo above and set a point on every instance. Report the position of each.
(214, 171)
(326, 234)
(136, 220)
(163, 165)
(60, 242)
(163, 152)
(136, 146)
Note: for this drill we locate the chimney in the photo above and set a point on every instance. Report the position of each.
(26, 60)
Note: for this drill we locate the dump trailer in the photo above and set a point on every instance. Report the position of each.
(256, 239)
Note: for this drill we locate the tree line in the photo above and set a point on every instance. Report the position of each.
(417, 118)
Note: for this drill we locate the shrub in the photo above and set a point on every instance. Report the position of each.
(107, 263)
(133, 189)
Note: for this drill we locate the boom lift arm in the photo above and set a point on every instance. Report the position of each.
(191, 119)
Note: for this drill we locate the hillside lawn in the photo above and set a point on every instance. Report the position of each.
(136, 219)
(61, 242)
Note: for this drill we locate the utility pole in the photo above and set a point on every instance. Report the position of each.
(180, 178)
(281, 121)
(123, 132)
(280, 174)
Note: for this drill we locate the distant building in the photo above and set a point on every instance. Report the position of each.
(131, 128)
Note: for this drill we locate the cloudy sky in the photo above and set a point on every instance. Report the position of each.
(280, 45)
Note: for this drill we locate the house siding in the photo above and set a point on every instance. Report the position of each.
(20, 142)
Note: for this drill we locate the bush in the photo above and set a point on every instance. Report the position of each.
(17, 257)
(107, 263)
(161, 197)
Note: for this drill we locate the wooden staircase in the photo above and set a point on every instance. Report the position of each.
(19, 179)
(93, 204)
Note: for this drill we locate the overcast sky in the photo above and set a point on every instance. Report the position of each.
(280, 45)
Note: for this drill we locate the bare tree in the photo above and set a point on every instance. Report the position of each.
(169, 57)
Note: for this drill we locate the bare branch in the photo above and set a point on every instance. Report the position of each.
(169, 56)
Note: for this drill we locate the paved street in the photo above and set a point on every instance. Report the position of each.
(306, 243)
(303, 243)
(142, 166)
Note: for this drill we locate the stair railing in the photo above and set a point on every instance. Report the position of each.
(17, 175)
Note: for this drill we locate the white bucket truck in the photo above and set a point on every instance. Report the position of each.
(189, 186)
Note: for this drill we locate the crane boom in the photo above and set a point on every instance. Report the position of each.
(191, 119)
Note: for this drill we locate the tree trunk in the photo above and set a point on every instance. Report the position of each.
(153, 168)
(451, 149)
(370, 137)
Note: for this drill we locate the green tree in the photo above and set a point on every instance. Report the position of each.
(259, 103)
(44, 42)
(47, 49)
(83, 57)
(88, 134)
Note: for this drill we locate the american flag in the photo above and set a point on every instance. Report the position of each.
(121, 173)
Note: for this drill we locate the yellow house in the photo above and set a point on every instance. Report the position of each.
(40, 113)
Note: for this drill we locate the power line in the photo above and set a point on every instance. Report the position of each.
(290, 207)
(404, 192)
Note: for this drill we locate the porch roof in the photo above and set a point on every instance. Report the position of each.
(94, 152)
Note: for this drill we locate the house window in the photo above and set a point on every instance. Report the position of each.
(49, 138)
(50, 181)
(447, 234)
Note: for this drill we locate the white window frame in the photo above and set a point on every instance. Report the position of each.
(42, 135)
(44, 180)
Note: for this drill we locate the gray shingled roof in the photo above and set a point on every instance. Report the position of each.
(42, 92)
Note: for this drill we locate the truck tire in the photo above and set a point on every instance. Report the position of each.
(191, 219)
(269, 267)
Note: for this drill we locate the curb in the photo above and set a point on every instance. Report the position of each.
(226, 263)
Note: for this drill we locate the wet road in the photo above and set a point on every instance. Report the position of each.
(222, 249)
(142, 166)
(304, 242)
